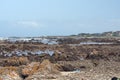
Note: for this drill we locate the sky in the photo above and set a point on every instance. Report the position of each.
(58, 17)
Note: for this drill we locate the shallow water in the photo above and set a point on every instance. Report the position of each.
(95, 43)
(77, 70)
(21, 53)
(88, 43)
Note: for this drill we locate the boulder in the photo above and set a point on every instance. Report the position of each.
(47, 67)
(30, 68)
(9, 73)
(45, 70)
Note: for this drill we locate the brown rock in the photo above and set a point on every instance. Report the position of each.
(1, 78)
(30, 68)
(45, 70)
(47, 67)
(15, 61)
(9, 73)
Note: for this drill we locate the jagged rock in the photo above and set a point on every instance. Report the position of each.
(9, 73)
(30, 68)
(11, 76)
(68, 67)
(46, 70)
(39, 76)
(47, 67)
(15, 61)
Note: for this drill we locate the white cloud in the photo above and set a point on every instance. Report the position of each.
(28, 23)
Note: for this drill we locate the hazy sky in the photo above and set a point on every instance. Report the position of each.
(58, 17)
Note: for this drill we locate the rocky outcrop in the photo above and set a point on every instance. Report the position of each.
(39, 76)
(14, 61)
(10, 76)
(37, 71)
(9, 73)
(47, 67)
(34, 70)
(30, 69)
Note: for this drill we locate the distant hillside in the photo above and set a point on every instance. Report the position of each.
(104, 34)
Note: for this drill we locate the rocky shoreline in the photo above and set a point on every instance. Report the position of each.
(67, 59)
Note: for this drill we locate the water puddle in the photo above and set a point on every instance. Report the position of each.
(82, 43)
(26, 53)
(90, 43)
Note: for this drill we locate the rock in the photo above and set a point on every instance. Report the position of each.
(11, 76)
(1, 78)
(114, 78)
(47, 67)
(39, 76)
(9, 73)
(68, 67)
(45, 70)
(15, 61)
(30, 68)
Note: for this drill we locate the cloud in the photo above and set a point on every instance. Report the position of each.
(28, 23)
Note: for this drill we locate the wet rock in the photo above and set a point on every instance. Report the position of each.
(68, 41)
